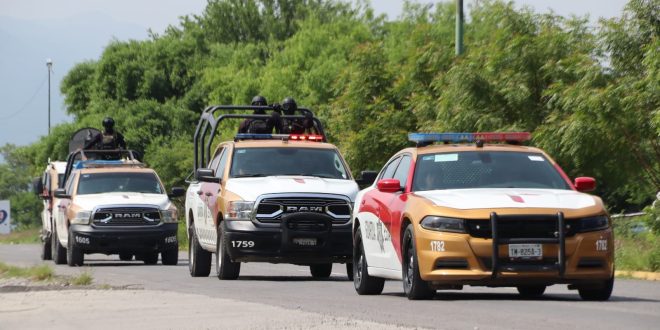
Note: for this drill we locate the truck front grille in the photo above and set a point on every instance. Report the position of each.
(271, 209)
(126, 216)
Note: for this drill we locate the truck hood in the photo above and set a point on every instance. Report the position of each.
(251, 188)
(508, 198)
(92, 201)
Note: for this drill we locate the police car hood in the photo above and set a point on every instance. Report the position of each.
(251, 188)
(92, 201)
(492, 198)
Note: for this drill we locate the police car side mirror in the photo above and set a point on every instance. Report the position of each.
(206, 175)
(585, 183)
(389, 185)
(61, 193)
(367, 178)
(176, 192)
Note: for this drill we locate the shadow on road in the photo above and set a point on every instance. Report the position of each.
(464, 296)
(292, 279)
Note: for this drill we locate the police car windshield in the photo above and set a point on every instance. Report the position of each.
(257, 162)
(97, 183)
(486, 169)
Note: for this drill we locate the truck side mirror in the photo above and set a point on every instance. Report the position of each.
(367, 178)
(206, 175)
(61, 193)
(176, 192)
(38, 186)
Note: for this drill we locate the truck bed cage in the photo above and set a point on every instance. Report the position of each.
(99, 158)
(208, 126)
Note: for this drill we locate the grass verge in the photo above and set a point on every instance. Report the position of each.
(35, 273)
(637, 243)
(30, 235)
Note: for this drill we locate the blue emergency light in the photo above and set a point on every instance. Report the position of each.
(469, 137)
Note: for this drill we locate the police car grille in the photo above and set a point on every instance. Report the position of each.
(268, 209)
(133, 216)
(520, 228)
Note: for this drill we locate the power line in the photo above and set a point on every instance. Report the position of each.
(28, 102)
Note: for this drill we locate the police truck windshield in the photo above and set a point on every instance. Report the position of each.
(98, 183)
(259, 162)
(486, 169)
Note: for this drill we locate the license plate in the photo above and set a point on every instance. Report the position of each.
(305, 241)
(526, 251)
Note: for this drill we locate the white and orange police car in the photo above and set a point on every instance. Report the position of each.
(471, 211)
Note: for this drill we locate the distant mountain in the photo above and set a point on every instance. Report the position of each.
(26, 44)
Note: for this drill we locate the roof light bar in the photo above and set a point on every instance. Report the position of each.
(96, 163)
(292, 137)
(469, 137)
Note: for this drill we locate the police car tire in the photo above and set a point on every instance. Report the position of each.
(46, 248)
(149, 258)
(74, 256)
(600, 294)
(199, 260)
(170, 257)
(413, 284)
(321, 270)
(364, 283)
(531, 291)
(224, 267)
(57, 250)
(125, 256)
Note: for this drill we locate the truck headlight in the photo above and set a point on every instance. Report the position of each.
(169, 216)
(592, 223)
(81, 218)
(240, 210)
(451, 225)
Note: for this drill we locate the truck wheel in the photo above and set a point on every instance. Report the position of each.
(57, 250)
(199, 260)
(170, 257)
(600, 294)
(349, 270)
(531, 291)
(413, 285)
(150, 258)
(46, 248)
(125, 256)
(321, 270)
(224, 267)
(364, 283)
(74, 256)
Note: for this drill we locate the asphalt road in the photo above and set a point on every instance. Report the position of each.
(634, 304)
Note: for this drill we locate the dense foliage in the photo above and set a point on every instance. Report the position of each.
(591, 96)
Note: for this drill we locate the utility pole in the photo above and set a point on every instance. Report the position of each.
(459, 27)
(49, 64)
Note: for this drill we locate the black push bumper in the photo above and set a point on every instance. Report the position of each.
(301, 238)
(559, 239)
(108, 240)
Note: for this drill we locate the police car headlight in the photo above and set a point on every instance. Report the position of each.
(592, 223)
(81, 218)
(240, 210)
(451, 225)
(169, 216)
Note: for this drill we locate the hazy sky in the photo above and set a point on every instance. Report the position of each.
(71, 31)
